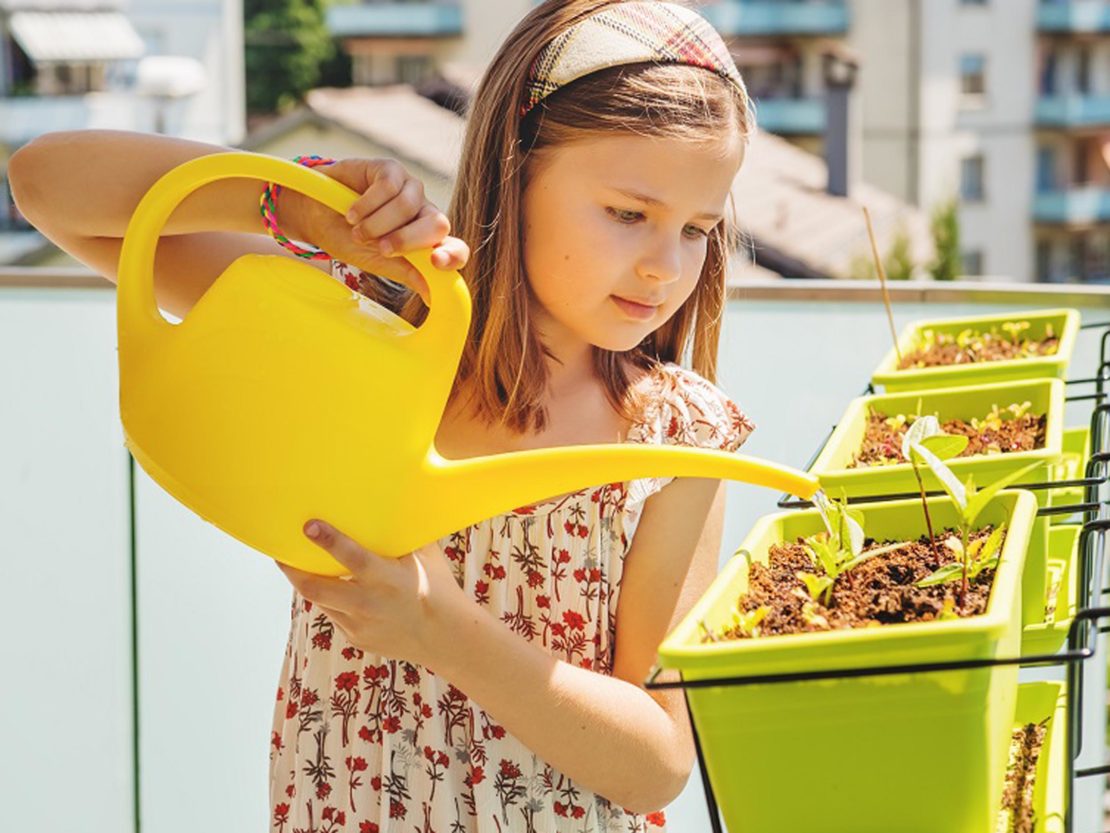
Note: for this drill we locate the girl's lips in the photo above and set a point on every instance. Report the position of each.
(641, 312)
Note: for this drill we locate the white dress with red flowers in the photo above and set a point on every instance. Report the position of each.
(368, 744)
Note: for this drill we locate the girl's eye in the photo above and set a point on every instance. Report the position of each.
(627, 216)
(624, 215)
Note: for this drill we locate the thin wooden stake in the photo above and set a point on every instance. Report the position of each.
(882, 281)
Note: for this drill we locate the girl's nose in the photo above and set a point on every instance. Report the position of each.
(663, 263)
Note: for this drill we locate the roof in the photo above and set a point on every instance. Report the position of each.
(781, 200)
(398, 118)
(794, 227)
(61, 5)
(76, 36)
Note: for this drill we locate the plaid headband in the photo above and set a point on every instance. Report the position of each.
(629, 33)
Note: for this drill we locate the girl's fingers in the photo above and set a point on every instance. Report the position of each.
(386, 178)
(395, 214)
(427, 230)
(321, 590)
(453, 253)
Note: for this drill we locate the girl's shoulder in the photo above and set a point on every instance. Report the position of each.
(681, 407)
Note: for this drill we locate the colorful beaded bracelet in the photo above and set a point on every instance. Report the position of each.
(267, 206)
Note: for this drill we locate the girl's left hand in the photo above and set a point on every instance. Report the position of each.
(402, 608)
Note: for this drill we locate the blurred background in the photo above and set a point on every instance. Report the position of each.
(142, 646)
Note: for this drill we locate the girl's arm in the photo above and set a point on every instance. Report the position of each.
(607, 733)
(79, 188)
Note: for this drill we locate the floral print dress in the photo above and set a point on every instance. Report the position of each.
(369, 744)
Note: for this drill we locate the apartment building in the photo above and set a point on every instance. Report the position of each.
(779, 47)
(1005, 106)
(407, 42)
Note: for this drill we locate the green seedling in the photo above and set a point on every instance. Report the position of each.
(981, 555)
(746, 622)
(971, 502)
(996, 417)
(838, 549)
(1014, 329)
(925, 433)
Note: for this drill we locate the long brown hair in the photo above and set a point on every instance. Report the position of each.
(503, 369)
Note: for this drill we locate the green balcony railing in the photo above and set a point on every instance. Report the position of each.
(1074, 205)
(396, 20)
(1073, 110)
(1076, 16)
(791, 116)
(785, 17)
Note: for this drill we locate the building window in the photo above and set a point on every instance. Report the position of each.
(1046, 170)
(972, 261)
(412, 69)
(971, 178)
(973, 77)
(1083, 71)
(1083, 149)
(1048, 72)
(1044, 261)
(1079, 258)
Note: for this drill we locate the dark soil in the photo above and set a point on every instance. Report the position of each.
(879, 591)
(982, 347)
(882, 442)
(1017, 798)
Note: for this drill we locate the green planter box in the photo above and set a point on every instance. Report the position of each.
(1061, 579)
(1065, 323)
(1037, 702)
(1076, 451)
(974, 401)
(819, 755)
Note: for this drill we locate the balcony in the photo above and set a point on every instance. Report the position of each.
(1073, 16)
(1073, 110)
(396, 20)
(126, 627)
(1074, 206)
(791, 116)
(767, 17)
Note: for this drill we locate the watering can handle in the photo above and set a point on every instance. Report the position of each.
(449, 301)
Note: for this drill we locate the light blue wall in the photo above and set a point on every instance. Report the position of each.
(212, 616)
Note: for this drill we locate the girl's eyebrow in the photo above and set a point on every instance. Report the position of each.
(644, 198)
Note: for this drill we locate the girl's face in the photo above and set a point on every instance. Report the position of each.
(615, 235)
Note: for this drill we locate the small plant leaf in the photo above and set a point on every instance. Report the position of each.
(949, 572)
(823, 553)
(980, 499)
(947, 478)
(946, 446)
(922, 427)
(953, 543)
(816, 585)
(949, 610)
(992, 545)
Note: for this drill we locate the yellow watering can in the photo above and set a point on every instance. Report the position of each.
(283, 395)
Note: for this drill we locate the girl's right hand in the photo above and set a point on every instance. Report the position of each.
(390, 217)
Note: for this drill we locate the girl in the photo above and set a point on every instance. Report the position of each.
(491, 680)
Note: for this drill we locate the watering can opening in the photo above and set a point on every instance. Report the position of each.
(283, 395)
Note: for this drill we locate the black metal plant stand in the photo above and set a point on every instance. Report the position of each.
(1082, 634)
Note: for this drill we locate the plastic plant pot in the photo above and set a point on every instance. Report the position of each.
(1061, 577)
(1076, 451)
(1064, 322)
(819, 754)
(1037, 702)
(1046, 396)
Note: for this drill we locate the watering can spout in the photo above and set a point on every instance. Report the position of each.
(502, 482)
